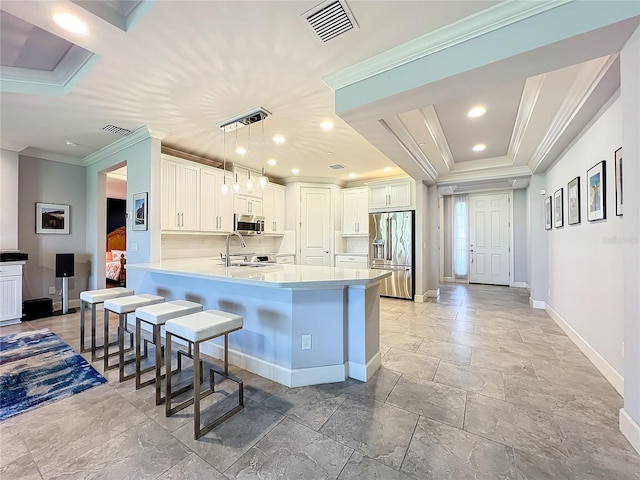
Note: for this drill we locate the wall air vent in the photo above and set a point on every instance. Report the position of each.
(337, 166)
(330, 19)
(117, 130)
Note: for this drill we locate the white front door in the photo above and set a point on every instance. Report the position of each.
(489, 239)
(315, 226)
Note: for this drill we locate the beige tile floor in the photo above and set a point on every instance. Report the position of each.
(476, 385)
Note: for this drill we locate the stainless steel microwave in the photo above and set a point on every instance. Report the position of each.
(248, 224)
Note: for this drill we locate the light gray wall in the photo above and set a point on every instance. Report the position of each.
(9, 167)
(630, 99)
(520, 236)
(52, 182)
(585, 261)
(447, 236)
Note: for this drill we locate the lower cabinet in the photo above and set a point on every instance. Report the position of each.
(352, 261)
(10, 294)
(290, 259)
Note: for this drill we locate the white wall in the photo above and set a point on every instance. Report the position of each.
(520, 236)
(630, 99)
(8, 200)
(447, 236)
(210, 246)
(537, 264)
(585, 261)
(52, 182)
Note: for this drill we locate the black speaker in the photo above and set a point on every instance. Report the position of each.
(37, 308)
(64, 265)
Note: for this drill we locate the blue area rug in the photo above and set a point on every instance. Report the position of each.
(37, 368)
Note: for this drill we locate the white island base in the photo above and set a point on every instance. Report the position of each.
(333, 313)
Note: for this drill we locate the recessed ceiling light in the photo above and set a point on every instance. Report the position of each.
(70, 22)
(352, 175)
(295, 171)
(477, 111)
(271, 161)
(278, 139)
(241, 150)
(326, 125)
(70, 143)
(387, 169)
(329, 153)
(479, 147)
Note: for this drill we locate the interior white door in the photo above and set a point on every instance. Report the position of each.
(315, 226)
(489, 239)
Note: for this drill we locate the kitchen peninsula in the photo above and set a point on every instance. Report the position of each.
(303, 325)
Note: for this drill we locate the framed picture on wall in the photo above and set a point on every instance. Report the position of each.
(52, 218)
(558, 208)
(547, 213)
(140, 211)
(573, 201)
(618, 162)
(597, 192)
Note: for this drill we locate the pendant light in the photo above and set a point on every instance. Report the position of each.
(249, 184)
(224, 187)
(236, 185)
(263, 181)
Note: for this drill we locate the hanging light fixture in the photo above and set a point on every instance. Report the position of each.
(263, 181)
(224, 187)
(236, 185)
(249, 184)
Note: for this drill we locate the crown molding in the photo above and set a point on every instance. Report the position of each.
(528, 100)
(432, 122)
(13, 147)
(480, 23)
(135, 137)
(483, 164)
(319, 180)
(586, 81)
(488, 174)
(54, 157)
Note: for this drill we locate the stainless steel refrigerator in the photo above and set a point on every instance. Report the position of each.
(391, 237)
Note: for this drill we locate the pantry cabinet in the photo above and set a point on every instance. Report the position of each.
(273, 209)
(355, 211)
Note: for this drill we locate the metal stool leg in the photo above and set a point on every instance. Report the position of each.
(82, 308)
(196, 389)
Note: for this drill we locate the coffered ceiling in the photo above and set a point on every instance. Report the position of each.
(182, 68)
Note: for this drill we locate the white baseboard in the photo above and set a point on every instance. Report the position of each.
(449, 279)
(614, 378)
(364, 372)
(538, 304)
(433, 293)
(520, 284)
(630, 429)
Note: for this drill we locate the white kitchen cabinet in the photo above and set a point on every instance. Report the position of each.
(216, 214)
(391, 195)
(286, 259)
(10, 294)
(355, 211)
(242, 174)
(180, 195)
(273, 209)
(247, 205)
(352, 261)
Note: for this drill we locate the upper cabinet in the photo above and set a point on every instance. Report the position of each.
(180, 195)
(244, 204)
(355, 211)
(391, 195)
(215, 207)
(243, 175)
(273, 209)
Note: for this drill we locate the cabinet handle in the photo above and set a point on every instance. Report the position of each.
(178, 220)
(182, 223)
(274, 226)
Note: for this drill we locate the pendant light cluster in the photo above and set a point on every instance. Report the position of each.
(235, 124)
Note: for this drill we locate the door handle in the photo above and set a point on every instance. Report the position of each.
(326, 251)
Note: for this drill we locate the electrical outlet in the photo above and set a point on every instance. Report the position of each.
(134, 247)
(52, 290)
(306, 342)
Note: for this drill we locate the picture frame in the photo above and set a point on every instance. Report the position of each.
(558, 208)
(573, 201)
(618, 163)
(140, 211)
(597, 192)
(547, 213)
(52, 218)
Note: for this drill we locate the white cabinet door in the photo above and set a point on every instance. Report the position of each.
(392, 195)
(273, 209)
(189, 200)
(225, 204)
(215, 207)
(245, 205)
(170, 216)
(315, 226)
(355, 211)
(351, 261)
(180, 196)
(10, 293)
(286, 259)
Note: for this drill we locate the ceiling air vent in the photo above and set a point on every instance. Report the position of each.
(337, 166)
(330, 19)
(117, 130)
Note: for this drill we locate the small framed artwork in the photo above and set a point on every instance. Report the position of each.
(573, 201)
(547, 213)
(597, 194)
(52, 218)
(618, 161)
(140, 211)
(558, 208)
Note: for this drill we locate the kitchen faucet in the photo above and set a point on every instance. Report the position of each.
(227, 261)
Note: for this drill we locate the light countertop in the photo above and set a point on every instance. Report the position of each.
(280, 275)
